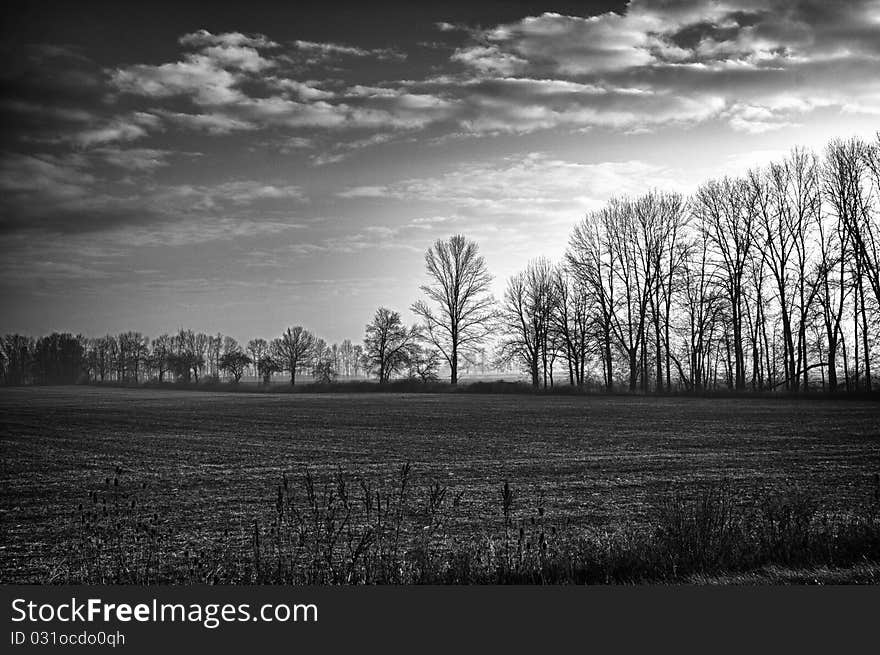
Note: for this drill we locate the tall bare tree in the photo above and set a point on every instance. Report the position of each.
(572, 323)
(464, 310)
(591, 260)
(527, 319)
(727, 211)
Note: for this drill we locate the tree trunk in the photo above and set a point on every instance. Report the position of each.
(633, 369)
(865, 348)
(832, 366)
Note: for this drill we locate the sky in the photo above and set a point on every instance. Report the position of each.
(246, 168)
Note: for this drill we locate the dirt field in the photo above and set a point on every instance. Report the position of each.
(206, 460)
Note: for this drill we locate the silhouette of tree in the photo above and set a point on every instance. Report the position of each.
(463, 314)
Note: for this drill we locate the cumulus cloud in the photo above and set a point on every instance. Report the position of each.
(652, 64)
(757, 66)
(490, 59)
(216, 75)
(203, 37)
(198, 76)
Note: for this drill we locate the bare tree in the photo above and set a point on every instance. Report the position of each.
(388, 344)
(267, 366)
(162, 347)
(701, 306)
(527, 319)
(346, 356)
(590, 259)
(463, 312)
(321, 362)
(357, 360)
(631, 230)
(234, 362)
(845, 178)
(727, 212)
(293, 349)
(257, 349)
(571, 322)
(423, 363)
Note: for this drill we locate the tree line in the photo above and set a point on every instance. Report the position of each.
(766, 281)
(193, 357)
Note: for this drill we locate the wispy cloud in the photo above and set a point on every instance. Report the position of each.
(327, 50)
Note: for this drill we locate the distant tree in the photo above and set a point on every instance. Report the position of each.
(234, 362)
(214, 351)
(357, 360)
(162, 348)
(257, 348)
(132, 351)
(346, 355)
(336, 357)
(58, 359)
(388, 344)
(424, 364)
(527, 319)
(268, 366)
(321, 362)
(188, 358)
(463, 312)
(103, 348)
(293, 349)
(18, 351)
(572, 323)
(200, 345)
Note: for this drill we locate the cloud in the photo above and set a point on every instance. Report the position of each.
(241, 58)
(329, 50)
(532, 180)
(135, 159)
(490, 60)
(302, 90)
(518, 205)
(755, 66)
(212, 123)
(66, 114)
(202, 229)
(66, 194)
(248, 191)
(49, 177)
(567, 44)
(128, 128)
(648, 66)
(216, 76)
(198, 76)
(202, 37)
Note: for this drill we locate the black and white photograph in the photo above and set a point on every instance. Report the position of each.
(453, 294)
